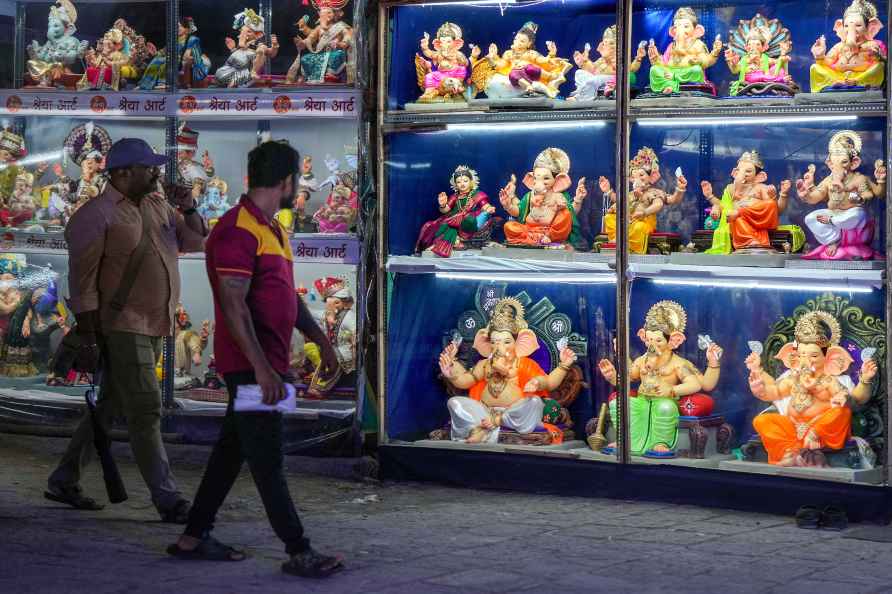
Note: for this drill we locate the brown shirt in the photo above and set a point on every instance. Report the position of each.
(102, 235)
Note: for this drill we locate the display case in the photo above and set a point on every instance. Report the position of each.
(735, 161)
(58, 124)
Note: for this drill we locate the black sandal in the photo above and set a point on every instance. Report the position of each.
(834, 518)
(312, 564)
(178, 514)
(808, 517)
(72, 496)
(209, 549)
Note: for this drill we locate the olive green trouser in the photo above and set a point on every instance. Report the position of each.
(129, 387)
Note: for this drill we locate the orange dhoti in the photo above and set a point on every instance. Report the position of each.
(750, 227)
(533, 233)
(779, 434)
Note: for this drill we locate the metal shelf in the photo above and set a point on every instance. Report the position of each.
(726, 109)
(493, 116)
(755, 277)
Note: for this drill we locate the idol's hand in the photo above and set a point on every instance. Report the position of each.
(714, 354)
(425, 41)
(442, 199)
(819, 49)
(568, 356)
(607, 370)
(681, 183)
(753, 362)
(706, 188)
(581, 192)
(879, 171)
(868, 371)
(785, 187)
(604, 184)
(805, 185)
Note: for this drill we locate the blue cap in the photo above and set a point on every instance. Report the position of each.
(133, 151)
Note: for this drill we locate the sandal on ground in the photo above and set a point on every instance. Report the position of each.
(312, 564)
(178, 514)
(808, 517)
(834, 518)
(209, 549)
(72, 496)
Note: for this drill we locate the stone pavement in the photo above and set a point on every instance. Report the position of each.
(413, 538)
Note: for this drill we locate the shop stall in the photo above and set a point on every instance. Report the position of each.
(203, 82)
(636, 249)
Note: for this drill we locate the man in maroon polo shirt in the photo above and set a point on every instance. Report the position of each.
(250, 267)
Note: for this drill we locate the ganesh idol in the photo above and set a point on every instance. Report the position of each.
(442, 70)
(506, 387)
(686, 58)
(759, 54)
(748, 209)
(338, 321)
(247, 55)
(547, 213)
(812, 396)
(188, 169)
(844, 229)
(598, 78)
(325, 53)
(521, 71)
(667, 382)
(48, 62)
(463, 214)
(858, 60)
(645, 199)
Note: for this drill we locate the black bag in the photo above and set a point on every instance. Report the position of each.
(66, 355)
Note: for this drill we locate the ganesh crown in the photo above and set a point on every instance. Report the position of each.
(219, 183)
(862, 8)
(753, 157)
(609, 33)
(250, 19)
(818, 327)
(64, 11)
(448, 29)
(645, 159)
(554, 159)
(507, 316)
(666, 317)
(332, 286)
(530, 26)
(686, 13)
(846, 142)
(12, 142)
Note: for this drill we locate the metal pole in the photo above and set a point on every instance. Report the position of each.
(381, 244)
(888, 294)
(18, 67)
(173, 57)
(624, 38)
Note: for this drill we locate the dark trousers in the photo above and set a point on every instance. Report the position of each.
(257, 439)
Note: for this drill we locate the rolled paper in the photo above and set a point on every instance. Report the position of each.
(867, 354)
(755, 346)
(562, 343)
(678, 172)
(456, 338)
(703, 341)
(642, 44)
(588, 47)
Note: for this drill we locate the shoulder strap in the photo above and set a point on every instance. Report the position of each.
(129, 277)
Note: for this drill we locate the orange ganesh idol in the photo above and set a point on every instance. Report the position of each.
(811, 398)
(547, 213)
(748, 209)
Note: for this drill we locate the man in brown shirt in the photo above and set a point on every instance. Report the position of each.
(102, 237)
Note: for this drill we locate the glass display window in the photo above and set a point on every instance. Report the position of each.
(271, 44)
(452, 55)
(444, 362)
(759, 53)
(759, 191)
(445, 187)
(88, 45)
(799, 392)
(54, 165)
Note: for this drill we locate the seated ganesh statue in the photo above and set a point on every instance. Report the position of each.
(672, 393)
(759, 54)
(858, 60)
(507, 396)
(820, 414)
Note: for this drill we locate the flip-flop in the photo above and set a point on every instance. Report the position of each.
(808, 517)
(834, 518)
(74, 498)
(178, 514)
(209, 549)
(609, 450)
(660, 455)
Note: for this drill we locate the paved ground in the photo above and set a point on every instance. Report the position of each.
(414, 538)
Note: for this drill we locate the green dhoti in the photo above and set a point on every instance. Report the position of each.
(672, 77)
(652, 421)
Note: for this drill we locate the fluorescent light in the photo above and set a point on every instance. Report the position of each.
(38, 158)
(514, 126)
(759, 284)
(716, 121)
(587, 278)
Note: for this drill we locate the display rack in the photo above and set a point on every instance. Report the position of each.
(408, 455)
(262, 112)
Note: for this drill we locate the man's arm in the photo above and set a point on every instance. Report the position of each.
(233, 292)
(307, 326)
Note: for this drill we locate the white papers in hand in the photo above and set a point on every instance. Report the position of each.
(249, 398)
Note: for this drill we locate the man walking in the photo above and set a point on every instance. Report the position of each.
(250, 267)
(130, 220)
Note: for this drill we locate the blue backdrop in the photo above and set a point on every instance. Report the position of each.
(731, 317)
(429, 309)
(711, 152)
(418, 166)
(572, 23)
